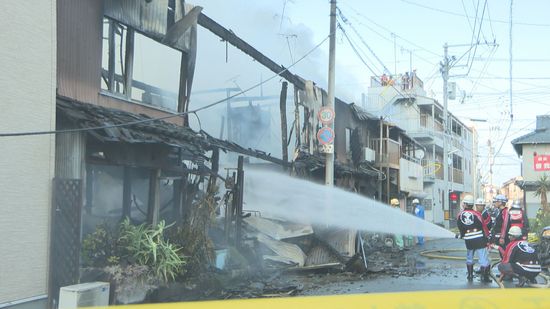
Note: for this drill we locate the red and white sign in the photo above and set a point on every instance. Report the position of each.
(326, 115)
(542, 163)
(325, 136)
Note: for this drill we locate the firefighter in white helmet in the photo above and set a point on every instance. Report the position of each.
(519, 258)
(474, 232)
(397, 237)
(419, 212)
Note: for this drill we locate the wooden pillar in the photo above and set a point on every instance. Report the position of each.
(126, 193)
(297, 117)
(183, 95)
(111, 65)
(284, 132)
(154, 197)
(239, 205)
(129, 63)
(215, 168)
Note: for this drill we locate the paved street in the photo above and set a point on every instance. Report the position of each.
(432, 274)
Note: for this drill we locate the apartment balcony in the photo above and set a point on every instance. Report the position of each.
(390, 152)
(432, 170)
(410, 174)
(458, 176)
(429, 129)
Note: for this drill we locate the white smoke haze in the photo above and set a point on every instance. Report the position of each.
(288, 198)
(259, 24)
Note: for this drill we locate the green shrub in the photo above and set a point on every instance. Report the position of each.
(147, 246)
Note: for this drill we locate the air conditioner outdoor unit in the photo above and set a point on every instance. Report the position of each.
(92, 294)
(368, 154)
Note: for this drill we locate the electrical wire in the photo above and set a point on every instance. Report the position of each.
(168, 116)
(462, 15)
(392, 32)
(347, 22)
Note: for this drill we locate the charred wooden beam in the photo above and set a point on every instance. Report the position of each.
(239, 204)
(234, 40)
(183, 96)
(126, 192)
(111, 65)
(284, 133)
(154, 197)
(129, 61)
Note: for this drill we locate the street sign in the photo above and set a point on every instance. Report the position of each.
(325, 136)
(328, 148)
(326, 115)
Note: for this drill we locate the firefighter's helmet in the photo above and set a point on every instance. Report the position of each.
(468, 200)
(394, 202)
(480, 202)
(501, 198)
(515, 231)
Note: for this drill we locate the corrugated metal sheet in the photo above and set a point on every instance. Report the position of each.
(70, 151)
(79, 39)
(193, 144)
(149, 17)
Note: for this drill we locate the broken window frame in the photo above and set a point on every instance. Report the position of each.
(118, 49)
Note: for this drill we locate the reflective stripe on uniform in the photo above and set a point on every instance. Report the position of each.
(472, 235)
(534, 268)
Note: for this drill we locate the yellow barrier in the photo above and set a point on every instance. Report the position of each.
(468, 299)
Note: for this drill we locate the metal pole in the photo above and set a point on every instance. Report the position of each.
(329, 164)
(445, 74)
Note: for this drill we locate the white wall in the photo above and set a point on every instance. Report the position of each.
(411, 176)
(27, 102)
(529, 174)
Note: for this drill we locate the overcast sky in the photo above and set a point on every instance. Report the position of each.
(394, 30)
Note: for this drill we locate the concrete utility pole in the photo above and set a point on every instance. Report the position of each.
(445, 74)
(329, 163)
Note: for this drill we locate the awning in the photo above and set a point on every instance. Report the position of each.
(194, 144)
(418, 194)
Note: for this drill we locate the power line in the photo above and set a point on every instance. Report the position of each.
(392, 32)
(462, 15)
(168, 116)
(347, 22)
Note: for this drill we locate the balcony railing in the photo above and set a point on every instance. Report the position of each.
(432, 169)
(390, 151)
(458, 176)
(428, 122)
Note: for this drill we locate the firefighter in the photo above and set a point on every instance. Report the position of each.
(519, 258)
(480, 207)
(475, 233)
(544, 248)
(419, 211)
(397, 238)
(496, 232)
(515, 217)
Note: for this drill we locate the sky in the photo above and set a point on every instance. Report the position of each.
(397, 31)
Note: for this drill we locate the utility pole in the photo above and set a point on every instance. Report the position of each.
(445, 74)
(329, 163)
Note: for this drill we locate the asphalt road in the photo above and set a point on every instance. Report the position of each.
(430, 274)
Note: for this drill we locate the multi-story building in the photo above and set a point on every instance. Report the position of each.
(512, 191)
(27, 56)
(534, 150)
(421, 117)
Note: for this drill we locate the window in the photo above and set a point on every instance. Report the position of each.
(457, 162)
(348, 140)
(456, 128)
(138, 68)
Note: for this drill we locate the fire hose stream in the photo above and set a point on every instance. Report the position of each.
(440, 254)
